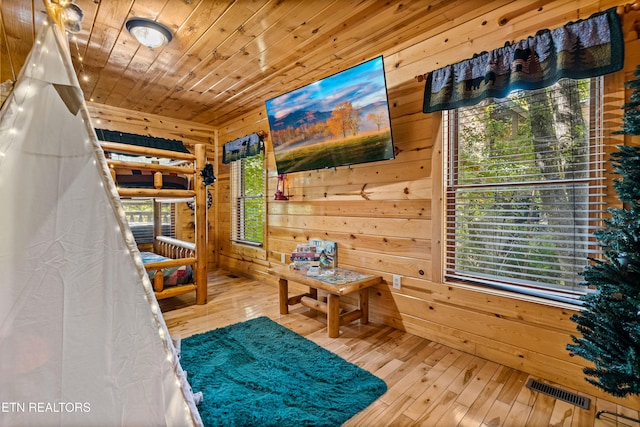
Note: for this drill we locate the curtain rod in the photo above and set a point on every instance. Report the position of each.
(628, 8)
(621, 10)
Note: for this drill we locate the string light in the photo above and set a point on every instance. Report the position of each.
(130, 251)
(80, 59)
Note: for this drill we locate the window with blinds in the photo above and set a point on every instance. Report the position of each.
(247, 198)
(139, 214)
(525, 188)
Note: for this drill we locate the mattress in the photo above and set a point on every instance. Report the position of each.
(144, 179)
(172, 276)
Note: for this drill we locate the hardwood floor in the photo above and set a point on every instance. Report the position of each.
(428, 384)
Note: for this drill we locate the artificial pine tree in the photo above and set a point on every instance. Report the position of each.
(610, 321)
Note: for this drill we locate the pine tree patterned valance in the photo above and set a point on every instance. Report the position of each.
(246, 146)
(578, 50)
(141, 141)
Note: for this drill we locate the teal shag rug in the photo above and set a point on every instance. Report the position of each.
(259, 373)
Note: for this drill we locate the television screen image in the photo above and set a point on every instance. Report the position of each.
(340, 120)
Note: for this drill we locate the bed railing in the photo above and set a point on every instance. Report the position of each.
(158, 277)
(174, 248)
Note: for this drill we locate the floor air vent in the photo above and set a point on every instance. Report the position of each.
(558, 393)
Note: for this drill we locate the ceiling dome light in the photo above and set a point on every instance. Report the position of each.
(149, 33)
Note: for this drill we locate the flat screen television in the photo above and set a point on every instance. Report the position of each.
(340, 120)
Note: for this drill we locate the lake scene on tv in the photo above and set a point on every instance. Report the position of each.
(340, 120)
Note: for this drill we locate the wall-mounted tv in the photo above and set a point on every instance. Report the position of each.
(340, 120)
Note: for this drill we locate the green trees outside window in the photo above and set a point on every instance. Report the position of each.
(524, 188)
(248, 200)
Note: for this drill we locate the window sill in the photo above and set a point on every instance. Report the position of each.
(247, 243)
(485, 289)
(249, 250)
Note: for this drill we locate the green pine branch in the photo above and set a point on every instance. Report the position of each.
(609, 323)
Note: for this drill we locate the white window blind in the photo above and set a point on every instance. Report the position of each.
(247, 198)
(525, 188)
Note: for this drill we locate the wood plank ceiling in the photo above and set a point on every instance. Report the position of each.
(227, 57)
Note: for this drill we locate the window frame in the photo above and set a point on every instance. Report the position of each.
(238, 202)
(449, 131)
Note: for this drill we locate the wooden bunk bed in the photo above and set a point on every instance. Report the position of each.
(177, 252)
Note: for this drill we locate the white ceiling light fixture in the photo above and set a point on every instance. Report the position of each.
(149, 33)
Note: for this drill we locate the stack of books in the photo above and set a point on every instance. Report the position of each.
(305, 257)
(317, 253)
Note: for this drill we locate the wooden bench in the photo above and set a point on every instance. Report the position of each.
(342, 283)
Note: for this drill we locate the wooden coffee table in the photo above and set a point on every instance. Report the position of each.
(343, 282)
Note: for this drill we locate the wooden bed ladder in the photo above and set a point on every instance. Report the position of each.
(201, 226)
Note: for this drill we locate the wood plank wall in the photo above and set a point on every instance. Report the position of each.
(118, 119)
(387, 216)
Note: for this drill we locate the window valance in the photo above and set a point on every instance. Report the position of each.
(240, 148)
(578, 50)
(141, 140)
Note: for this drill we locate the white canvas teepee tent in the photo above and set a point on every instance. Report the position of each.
(82, 339)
